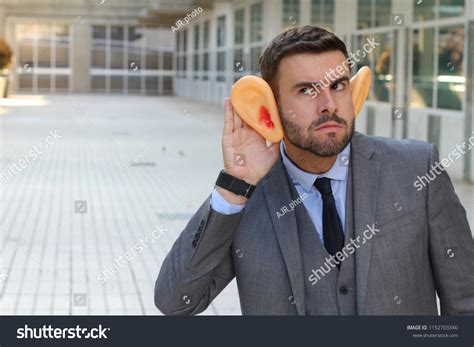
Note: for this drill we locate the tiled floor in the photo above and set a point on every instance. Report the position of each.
(120, 171)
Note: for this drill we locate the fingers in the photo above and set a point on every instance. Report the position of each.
(229, 117)
(237, 121)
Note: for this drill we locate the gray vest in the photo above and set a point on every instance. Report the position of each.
(330, 291)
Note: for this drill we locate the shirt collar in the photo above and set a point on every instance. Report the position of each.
(338, 171)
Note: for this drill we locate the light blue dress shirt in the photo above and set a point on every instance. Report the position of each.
(303, 182)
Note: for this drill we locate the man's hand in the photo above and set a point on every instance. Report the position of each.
(245, 152)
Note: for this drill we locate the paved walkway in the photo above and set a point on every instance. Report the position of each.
(102, 187)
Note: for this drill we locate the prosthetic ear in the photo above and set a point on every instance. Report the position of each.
(254, 102)
(360, 87)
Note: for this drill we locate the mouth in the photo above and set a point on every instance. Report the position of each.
(330, 126)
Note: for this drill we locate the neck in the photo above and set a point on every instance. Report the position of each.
(308, 161)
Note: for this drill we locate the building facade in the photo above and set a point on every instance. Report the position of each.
(423, 64)
(87, 46)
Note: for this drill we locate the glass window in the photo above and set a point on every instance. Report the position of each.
(205, 66)
(451, 8)
(116, 48)
(328, 14)
(151, 84)
(184, 42)
(134, 35)
(98, 83)
(221, 56)
(196, 65)
(373, 13)
(206, 35)
(196, 37)
(26, 53)
(151, 59)
(61, 33)
(239, 27)
(364, 10)
(44, 82)
(238, 60)
(25, 81)
(134, 84)
(382, 67)
(44, 46)
(98, 33)
(62, 83)
(424, 10)
(423, 68)
(167, 85)
(167, 61)
(322, 13)
(383, 10)
(62, 56)
(221, 32)
(380, 61)
(256, 22)
(291, 12)
(99, 47)
(451, 80)
(254, 56)
(116, 83)
(134, 59)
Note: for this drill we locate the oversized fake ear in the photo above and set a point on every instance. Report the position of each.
(253, 100)
(360, 87)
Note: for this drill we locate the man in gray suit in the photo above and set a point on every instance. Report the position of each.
(329, 221)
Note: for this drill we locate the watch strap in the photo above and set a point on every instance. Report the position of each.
(234, 184)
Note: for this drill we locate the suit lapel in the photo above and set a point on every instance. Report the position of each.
(365, 180)
(277, 194)
(364, 184)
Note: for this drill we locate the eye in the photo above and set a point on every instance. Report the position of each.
(307, 90)
(339, 86)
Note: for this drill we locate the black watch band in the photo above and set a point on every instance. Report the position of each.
(234, 185)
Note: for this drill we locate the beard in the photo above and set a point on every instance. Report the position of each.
(308, 140)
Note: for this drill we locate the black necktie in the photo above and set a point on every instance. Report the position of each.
(332, 228)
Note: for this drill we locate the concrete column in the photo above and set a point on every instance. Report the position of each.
(468, 173)
(81, 57)
(2, 21)
(272, 14)
(305, 12)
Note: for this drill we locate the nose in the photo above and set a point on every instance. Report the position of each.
(326, 102)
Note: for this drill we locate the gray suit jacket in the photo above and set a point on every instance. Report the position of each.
(423, 246)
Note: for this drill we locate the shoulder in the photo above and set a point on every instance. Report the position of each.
(384, 148)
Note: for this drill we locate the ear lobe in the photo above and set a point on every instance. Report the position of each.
(253, 100)
(360, 87)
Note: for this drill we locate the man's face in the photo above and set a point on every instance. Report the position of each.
(315, 102)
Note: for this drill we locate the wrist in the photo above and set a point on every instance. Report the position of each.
(230, 197)
(234, 188)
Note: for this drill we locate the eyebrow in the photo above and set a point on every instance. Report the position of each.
(308, 84)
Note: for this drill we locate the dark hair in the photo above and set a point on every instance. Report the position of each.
(305, 39)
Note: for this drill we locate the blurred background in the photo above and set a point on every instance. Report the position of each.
(135, 89)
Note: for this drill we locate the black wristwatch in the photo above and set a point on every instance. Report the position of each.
(234, 184)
